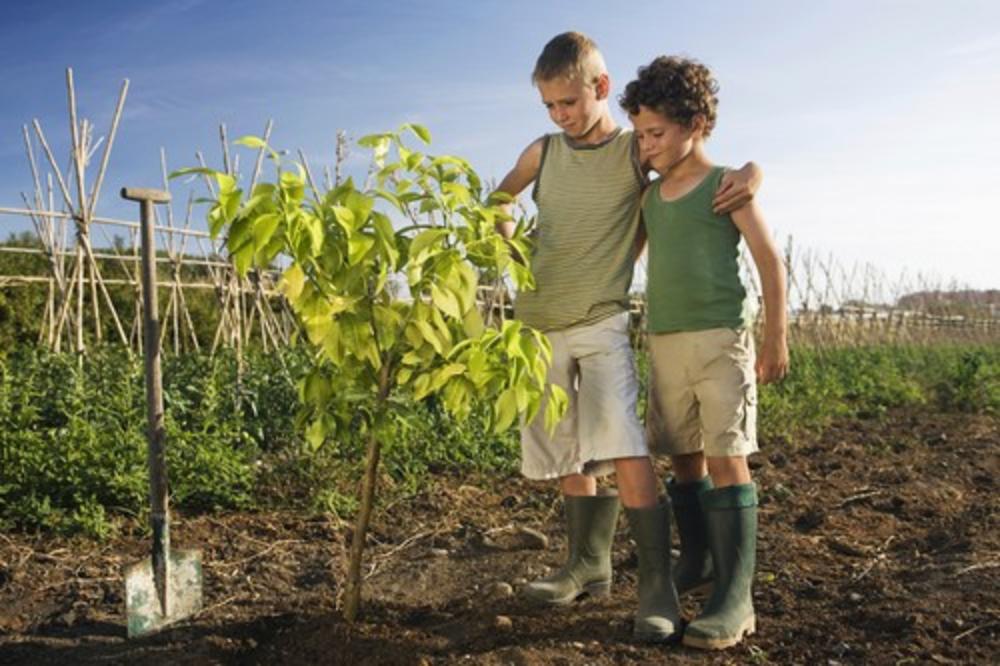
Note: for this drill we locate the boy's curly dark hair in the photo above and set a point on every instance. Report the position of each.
(678, 88)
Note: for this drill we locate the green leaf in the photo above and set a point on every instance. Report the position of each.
(444, 374)
(292, 282)
(316, 434)
(445, 299)
(265, 255)
(332, 344)
(521, 276)
(473, 323)
(345, 218)
(424, 240)
(293, 186)
(251, 142)
(460, 192)
(358, 246)
(315, 228)
(421, 386)
(422, 133)
(372, 140)
(505, 411)
(360, 205)
(317, 389)
(555, 408)
(240, 233)
(498, 198)
(386, 237)
(264, 227)
(243, 258)
(205, 171)
(429, 334)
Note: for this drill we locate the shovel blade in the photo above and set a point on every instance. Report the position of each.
(143, 609)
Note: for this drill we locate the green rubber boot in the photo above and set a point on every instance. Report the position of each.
(659, 616)
(590, 528)
(731, 518)
(693, 570)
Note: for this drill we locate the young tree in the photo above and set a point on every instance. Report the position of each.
(384, 282)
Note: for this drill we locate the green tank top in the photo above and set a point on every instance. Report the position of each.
(588, 214)
(693, 281)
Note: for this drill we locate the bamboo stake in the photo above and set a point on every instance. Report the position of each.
(106, 294)
(190, 323)
(260, 155)
(55, 167)
(309, 176)
(95, 192)
(34, 167)
(79, 301)
(224, 139)
(65, 305)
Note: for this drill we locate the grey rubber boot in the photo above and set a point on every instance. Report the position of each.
(659, 617)
(693, 570)
(728, 616)
(590, 528)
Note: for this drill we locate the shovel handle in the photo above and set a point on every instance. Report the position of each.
(154, 388)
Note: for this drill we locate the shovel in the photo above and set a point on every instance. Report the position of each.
(165, 587)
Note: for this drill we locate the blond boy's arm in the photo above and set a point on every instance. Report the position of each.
(641, 235)
(737, 188)
(517, 179)
(772, 362)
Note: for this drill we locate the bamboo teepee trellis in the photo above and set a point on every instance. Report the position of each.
(64, 217)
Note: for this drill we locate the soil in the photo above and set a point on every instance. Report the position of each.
(879, 545)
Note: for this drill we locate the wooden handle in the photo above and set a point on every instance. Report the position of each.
(145, 194)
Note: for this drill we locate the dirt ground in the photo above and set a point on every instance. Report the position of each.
(879, 545)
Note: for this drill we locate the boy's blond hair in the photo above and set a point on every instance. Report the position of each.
(571, 55)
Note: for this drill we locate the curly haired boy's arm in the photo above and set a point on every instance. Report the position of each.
(772, 363)
(517, 179)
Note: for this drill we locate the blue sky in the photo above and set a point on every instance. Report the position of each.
(875, 122)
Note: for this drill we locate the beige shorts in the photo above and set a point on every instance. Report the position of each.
(594, 365)
(702, 393)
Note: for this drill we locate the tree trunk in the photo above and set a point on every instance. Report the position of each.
(352, 591)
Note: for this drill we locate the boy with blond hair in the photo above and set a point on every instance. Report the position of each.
(587, 180)
(702, 385)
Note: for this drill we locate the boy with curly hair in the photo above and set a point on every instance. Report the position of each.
(587, 180)
(703, 394)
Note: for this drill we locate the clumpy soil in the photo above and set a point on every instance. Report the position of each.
(879, 545)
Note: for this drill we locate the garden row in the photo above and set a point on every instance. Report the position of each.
(73, 452)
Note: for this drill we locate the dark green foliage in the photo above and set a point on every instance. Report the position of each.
(864, 382)
(73, 450)
(972, 383)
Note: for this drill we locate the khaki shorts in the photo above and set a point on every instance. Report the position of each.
(702, 393)
(594, 365)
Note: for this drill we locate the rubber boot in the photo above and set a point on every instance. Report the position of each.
(590, 528)
(731, 518)
(659, 617)
(693, 570)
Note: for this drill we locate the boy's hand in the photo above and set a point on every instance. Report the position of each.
(737, 188)
(772, 364)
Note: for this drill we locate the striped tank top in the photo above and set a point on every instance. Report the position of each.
(584, 244)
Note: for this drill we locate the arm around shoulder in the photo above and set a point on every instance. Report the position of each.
(737, 188)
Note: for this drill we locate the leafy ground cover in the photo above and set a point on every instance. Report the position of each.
(72, 442)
